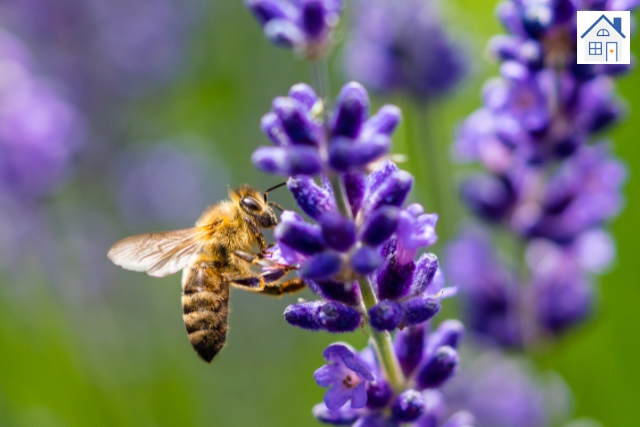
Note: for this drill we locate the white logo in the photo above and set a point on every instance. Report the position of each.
(603, 37)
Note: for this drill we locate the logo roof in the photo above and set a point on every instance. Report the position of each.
(617, 28)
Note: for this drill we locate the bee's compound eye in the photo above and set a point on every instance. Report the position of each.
(251, 204)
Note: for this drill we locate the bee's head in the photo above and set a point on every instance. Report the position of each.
(255, 204)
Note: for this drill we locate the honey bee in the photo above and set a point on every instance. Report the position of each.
(212, 255)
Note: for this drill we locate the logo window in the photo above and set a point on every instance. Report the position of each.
(595, 48)
(603, 32)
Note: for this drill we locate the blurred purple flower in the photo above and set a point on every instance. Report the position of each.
(583, 193)
(502, 392)
(547, 182)
(39, 130)
(402, 45)
(304, 25)
(100, 48)
(490, 292)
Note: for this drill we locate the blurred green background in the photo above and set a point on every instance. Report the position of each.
(119, 355)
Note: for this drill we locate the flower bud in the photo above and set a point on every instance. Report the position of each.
(385, 316)
(380, 225)
(351, 111)
(354, 185)
(312, 199)
(438, 368)
(346, 293)
(304, 94)
(282, 32)
(314, 18)
(271, 126)
(408, 407)
(384, 121)
(294, 121)
(300, 236)
(321, 266)
(267, 10)
(378, 394)
(346, 154)
(303, 315)
(365, 260)
(420, 309)
(409, 344)
(426, 269)
(336, 317)
(394, 280)
(449, 333)
(392, 192)
(338, 232)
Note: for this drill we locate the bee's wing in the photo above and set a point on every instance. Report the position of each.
(159, 254)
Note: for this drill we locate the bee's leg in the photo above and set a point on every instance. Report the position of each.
(267, 283)
(253, 259)
(286, 287)
(257, 234)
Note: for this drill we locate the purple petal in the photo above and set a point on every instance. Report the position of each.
(344, 353)
(359, 396)
(328, 375)
(337, 396)
(343, 416)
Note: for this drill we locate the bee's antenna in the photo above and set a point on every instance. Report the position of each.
(273, 188)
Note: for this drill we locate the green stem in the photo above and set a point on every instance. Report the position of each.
(414, 155)
(382, 343)
(439, 176)
(320, 82)
(340, 195)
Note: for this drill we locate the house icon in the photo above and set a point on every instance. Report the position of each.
(602, 40)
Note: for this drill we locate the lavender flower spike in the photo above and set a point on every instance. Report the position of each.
(402, 45)
(347, 376)
(359, 257)
(548, 179)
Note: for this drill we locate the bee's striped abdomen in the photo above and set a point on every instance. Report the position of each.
(205, 304)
